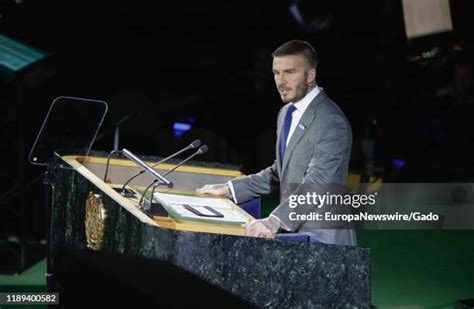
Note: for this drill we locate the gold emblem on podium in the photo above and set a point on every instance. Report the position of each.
(95, 221)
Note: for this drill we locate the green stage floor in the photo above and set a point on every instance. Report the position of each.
(420, 269)
(31, 280)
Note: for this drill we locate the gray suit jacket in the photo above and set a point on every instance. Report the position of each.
(317, 153)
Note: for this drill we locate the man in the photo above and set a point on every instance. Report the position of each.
(314, 142)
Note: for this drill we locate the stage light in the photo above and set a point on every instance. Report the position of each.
(398, 163)
(15, 56)
(179, 128)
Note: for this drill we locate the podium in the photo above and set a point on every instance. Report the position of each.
(104, 249)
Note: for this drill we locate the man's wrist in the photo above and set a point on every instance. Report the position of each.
(280, 223)
(274, 223)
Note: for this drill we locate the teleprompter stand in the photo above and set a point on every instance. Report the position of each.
(70, 124)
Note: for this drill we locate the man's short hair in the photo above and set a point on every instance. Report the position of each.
(297, 47)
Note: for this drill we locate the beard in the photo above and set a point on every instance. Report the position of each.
(300, 91)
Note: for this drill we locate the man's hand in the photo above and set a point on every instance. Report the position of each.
(266, 228)
(215, 189)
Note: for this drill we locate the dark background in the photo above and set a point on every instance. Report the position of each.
(209, 64)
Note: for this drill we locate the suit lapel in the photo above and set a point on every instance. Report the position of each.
(279, 128)
(300, 129)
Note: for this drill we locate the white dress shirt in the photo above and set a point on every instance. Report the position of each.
(301, 106)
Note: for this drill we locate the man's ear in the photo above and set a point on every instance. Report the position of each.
(311, 76)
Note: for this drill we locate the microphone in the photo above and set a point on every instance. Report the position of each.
(108, 163)
(138, 161)
(203, 149)
(194, 144)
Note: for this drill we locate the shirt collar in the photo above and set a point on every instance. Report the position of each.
(306, 100)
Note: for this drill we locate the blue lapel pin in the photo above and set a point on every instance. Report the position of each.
(301, 126)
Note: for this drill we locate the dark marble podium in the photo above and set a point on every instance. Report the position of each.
(214, 269)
